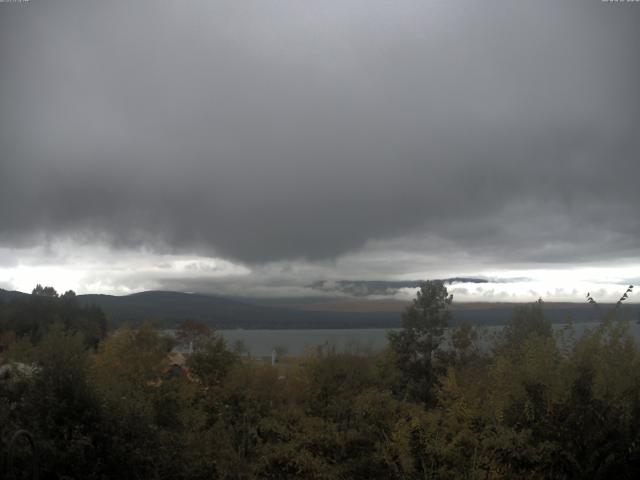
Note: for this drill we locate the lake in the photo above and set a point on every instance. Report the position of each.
(297, 342)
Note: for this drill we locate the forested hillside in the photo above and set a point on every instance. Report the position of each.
(169, 309)
(536, 405)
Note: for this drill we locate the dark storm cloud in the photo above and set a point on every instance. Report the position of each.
(272, 130)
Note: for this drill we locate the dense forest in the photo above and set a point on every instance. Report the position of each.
(115, 405)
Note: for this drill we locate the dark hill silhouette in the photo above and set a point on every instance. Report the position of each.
(168, 309)
(6, 295)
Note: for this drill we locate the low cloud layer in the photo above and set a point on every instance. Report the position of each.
(87, 269)
(280, 131)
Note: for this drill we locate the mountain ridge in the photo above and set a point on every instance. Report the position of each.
(168, 309)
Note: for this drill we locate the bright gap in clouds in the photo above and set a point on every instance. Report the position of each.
(103, 270)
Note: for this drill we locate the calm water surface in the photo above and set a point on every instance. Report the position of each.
(297, 342)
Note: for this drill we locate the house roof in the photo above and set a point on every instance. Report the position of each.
(176, 358)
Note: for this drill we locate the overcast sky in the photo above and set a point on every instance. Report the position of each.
(257, 146)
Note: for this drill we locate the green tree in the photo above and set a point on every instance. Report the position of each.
(125, 372)
(41, 291)
(527, 320)
(192, 332)
(416, 346)
(211, 360)
(60, 407)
